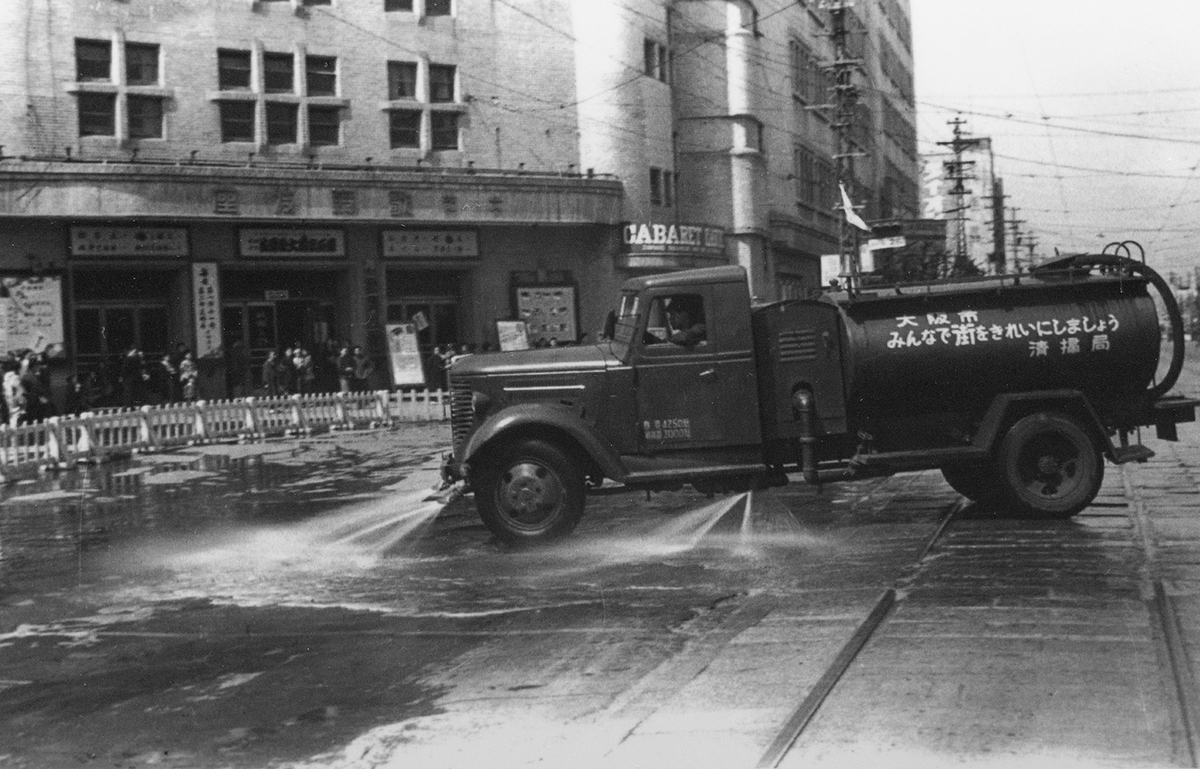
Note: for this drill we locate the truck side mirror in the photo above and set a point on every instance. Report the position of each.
(610, 324)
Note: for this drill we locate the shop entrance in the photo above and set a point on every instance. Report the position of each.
(268, 310)
(431, 298)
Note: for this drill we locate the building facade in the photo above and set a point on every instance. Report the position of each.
(238, 176)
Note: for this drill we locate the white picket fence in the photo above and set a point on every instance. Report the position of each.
(64, 441)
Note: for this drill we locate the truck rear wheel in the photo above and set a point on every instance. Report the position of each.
(976, 483)
(529, 491)
(1050, 466)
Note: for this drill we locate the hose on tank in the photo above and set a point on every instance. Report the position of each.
(1164, 291)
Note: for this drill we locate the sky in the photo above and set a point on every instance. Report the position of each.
(1093, 109)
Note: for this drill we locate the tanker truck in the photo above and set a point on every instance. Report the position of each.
(1017, 388)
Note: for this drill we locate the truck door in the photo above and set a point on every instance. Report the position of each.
(695, 383)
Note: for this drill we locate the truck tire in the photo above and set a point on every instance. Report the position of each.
(529, 491)
(976, 483)
(1049, 466)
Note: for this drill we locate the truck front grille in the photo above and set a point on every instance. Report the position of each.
(462, 415)
(797, 346)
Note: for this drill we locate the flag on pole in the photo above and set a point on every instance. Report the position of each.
(848, 209)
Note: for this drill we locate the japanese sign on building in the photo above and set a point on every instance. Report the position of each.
(1043, 338)
(548, 312)
(129, 241)
(206, 308)
(429, 244)
(664, 238)
(291, 243)
(31, 314)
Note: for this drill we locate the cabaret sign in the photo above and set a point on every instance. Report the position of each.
(658, 238)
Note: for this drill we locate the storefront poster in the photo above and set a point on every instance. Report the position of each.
(206, 308)
(31, 315)
(548, 312)
(405, 354)
(513, 335)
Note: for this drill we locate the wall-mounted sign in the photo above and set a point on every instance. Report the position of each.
(513, 335)
(291, 243)
(31, 315)
(548, 312)
(663, 238)
(405, 354)
(206, 308)
(129, 241)
(429, 244)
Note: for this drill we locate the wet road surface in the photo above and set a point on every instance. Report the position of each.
(303, 603)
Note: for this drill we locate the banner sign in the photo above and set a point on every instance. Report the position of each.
(206, 309)
(548, 312)
(429, 244)
(31, 315)
(291, 243)
(662, 238)
(513, 335)
(405, 354)
(129, 241)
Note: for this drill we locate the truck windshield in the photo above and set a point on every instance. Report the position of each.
(626, 318)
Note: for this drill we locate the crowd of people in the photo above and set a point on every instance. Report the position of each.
(337, 367)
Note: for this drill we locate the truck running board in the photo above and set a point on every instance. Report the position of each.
(921, 459)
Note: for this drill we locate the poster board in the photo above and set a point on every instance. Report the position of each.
(549, 312)
(513, 335)
(405, 354)
(206, 309)
(31, 314)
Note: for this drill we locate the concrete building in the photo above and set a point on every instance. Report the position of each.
(241, 175)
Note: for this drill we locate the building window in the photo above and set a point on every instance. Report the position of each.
(93, 60)
(281, 123)
(233, 70)
(97, 114)
(441, 82)
(402, 80)
(145, 117)
(808, 80)
(277, 73)
(437, 7)
(321, 75)
(324, 126)
(237, 121)
(141, 64)
(405, 125)
(444, 130)
(662, 187)
(398, 5)
(657, 62)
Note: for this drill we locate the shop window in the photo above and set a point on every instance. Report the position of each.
(402, 80)
(233, 70)
(405, 128)
(321, 75)
(278, 73)
(398, 5)
(97, 114)
(93, 60)
(437, 7)
(324, 126)
(141, 64)
(237, 121)
(281, 123)
(441, 82)
(444, 130)
(145, 117)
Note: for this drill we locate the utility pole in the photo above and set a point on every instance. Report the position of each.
(1030, 242)
(958, 172)
(1015, 224)
(845, 104)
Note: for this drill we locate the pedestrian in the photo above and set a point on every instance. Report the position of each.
(345, 369)
(133, 377)
(14, 395)
(37, 395)
(302, 362)
(237, 365)
(287, 372)
(364, 367)
(169, 374)
(270, 373)
(189, 374)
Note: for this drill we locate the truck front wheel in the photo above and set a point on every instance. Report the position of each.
(1049, 466)
(529, 491)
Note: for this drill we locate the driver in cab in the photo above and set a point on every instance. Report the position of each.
(685, 320)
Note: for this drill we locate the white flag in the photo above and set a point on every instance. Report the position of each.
(848, 209)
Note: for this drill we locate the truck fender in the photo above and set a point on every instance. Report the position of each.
(544, 420)
(1072, 402)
